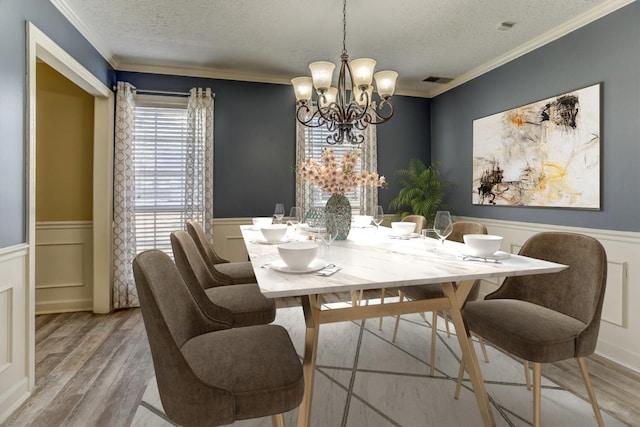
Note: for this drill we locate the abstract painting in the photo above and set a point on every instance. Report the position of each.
(542, 154)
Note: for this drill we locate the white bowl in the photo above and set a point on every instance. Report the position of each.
(482, 244)
(274, 232)
(361, 221)
(262, 221)
(298, 255)
(403, 228)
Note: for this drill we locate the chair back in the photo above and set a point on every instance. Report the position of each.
(577, 291)
(205, 247)
(419, 220)
(459, 230)
(171, 317)
(464, 227)
(196, 275)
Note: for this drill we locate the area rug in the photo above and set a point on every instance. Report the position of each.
(365, 380)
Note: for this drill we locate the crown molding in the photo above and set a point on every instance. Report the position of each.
(86, 31)
(558, 32)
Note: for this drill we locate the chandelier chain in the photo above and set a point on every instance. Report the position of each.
(344, 26)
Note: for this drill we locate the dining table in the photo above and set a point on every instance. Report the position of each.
(375, 258)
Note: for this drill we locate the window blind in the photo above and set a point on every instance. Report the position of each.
(159, 154)
(315, 143)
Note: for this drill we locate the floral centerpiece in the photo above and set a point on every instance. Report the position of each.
(338, 177)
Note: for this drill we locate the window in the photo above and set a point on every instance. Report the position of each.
(159, 162)
(315, 143)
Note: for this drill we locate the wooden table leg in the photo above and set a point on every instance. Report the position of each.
(310, 307)
(457, 298)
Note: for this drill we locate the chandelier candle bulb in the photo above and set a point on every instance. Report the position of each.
(321, 73)
(361, 97)
(328, 98)
(303, 88)
(386, 83)
(362, 71)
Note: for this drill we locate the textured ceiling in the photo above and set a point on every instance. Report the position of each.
(269, 40)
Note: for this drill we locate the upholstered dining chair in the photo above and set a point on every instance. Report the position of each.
(208, 373)
(551, 317)
(434, 290)
(223, 270)
(420, 221)
(244, 301)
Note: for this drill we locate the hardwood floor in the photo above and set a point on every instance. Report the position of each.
(91, 370)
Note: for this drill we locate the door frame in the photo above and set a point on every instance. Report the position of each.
(41, 48)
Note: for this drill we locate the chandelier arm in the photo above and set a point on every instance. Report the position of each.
(380, 117)
(309, 122)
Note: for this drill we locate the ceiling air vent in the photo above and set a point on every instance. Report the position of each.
(434, 79)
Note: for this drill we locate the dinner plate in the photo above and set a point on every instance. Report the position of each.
(315, 265)
(268, 242)
(497, 256)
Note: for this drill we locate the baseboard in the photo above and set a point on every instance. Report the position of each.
(11, 399)
(64, 306)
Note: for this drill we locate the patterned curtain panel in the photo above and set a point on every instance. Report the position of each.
(124, 239)
(369, 158)
(199, 178)
(303, 189)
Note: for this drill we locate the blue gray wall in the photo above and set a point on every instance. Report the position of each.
(13, 89)
(606, 51)
(255, 141)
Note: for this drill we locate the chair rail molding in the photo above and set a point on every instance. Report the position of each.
(620, 326)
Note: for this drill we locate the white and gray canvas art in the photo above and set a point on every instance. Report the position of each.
(546, 153)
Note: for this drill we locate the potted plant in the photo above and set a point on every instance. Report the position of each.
(422, 191)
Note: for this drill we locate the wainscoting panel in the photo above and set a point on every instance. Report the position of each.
(14, 359)
(6, 317)
(64, 267)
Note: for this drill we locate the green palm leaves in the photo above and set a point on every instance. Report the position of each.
(422, 191)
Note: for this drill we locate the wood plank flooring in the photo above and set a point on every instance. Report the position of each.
(91, 370)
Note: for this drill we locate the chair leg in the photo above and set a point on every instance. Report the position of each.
(446, 323)
(395, 327)
(384, 290)
(434, 334)
(590, 392)
(456, 395)
(277, 420)
(423, 316)
(527, 378)
(484, 349)
(536, 393)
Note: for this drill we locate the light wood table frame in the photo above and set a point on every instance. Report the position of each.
(371, 259)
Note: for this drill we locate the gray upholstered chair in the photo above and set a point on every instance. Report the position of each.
(224, 271)
(551, 317)
(245, 302)
(208, 373)
(434, 290)
(421, 222)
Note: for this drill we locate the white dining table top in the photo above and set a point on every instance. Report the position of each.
(370, 259)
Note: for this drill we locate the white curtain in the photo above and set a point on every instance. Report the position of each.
(124, 239)
(199, 182)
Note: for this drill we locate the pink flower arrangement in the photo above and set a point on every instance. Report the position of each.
(334, 177)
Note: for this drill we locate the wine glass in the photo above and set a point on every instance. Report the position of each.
(295, 218)
(330, 232)
(378, 216)
(278, 212)
(443, 226)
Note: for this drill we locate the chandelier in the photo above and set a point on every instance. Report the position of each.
(343, 118)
